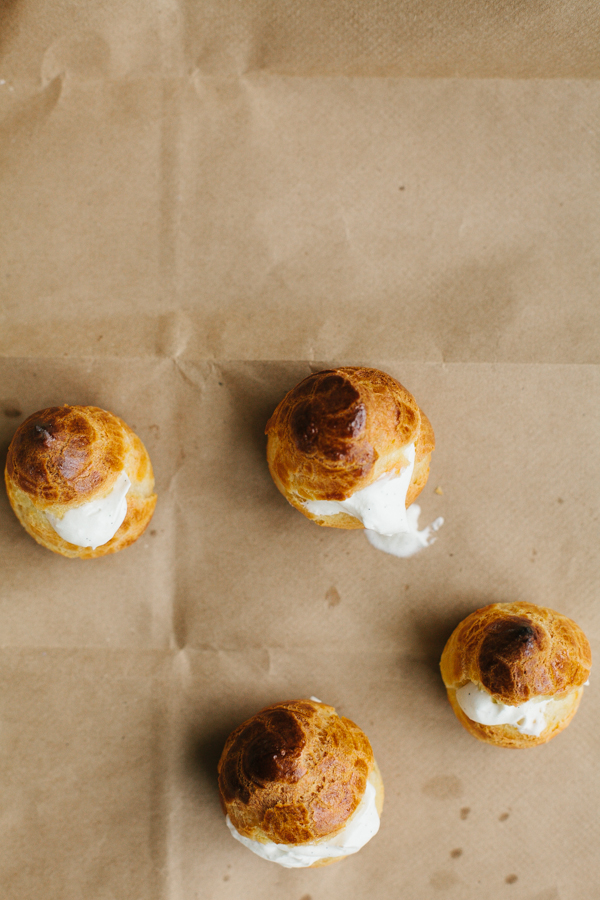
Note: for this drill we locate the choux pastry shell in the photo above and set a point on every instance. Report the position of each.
(340, 430)
(518, 652)
(66, 456)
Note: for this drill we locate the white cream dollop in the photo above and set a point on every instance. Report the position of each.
(381, 507)
(408, 542)
(362, 825)
(479, 706)
(95, 523)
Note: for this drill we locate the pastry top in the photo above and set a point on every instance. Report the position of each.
(295, 772)
(517, 651)
(69, 455)
(341, 429)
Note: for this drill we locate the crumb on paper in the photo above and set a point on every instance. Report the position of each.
(438, 490)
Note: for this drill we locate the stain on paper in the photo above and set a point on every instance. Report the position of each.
(442, 880)
(333, 596)
(443, 787)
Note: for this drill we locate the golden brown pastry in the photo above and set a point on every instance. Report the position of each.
(519, 669)
(81, 471)
(299, 785)
(338, 432)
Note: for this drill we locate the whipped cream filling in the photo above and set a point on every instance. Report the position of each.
(479, 706)
(362, 825)
(381, 506)
(408, 542)
(95, 523)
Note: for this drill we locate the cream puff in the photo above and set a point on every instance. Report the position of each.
(515, 673)
(299, 785)
(80, 481)
(350, 448)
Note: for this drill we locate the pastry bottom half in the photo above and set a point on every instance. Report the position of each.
(139, 512)
(560, 714)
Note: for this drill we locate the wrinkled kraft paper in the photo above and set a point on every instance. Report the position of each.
(200, 204)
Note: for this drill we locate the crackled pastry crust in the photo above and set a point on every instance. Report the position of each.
(294, 773)
(340, 430)
(518, 652)
(65, 456)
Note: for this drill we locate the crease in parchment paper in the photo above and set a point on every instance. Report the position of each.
(412, 38)
(415, 38)
(209, 220)
(23, 123)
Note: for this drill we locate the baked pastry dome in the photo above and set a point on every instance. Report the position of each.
(299, 784)
(519, 669)
(341, 430)
(67, 462)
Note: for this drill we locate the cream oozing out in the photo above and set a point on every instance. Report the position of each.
(362, 825)
(479, 706)
(381, 507)
(408, 542)
(95, 523)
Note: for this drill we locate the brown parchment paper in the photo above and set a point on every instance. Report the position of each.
(200, 204)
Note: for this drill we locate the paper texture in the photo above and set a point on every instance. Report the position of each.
(200, 205)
